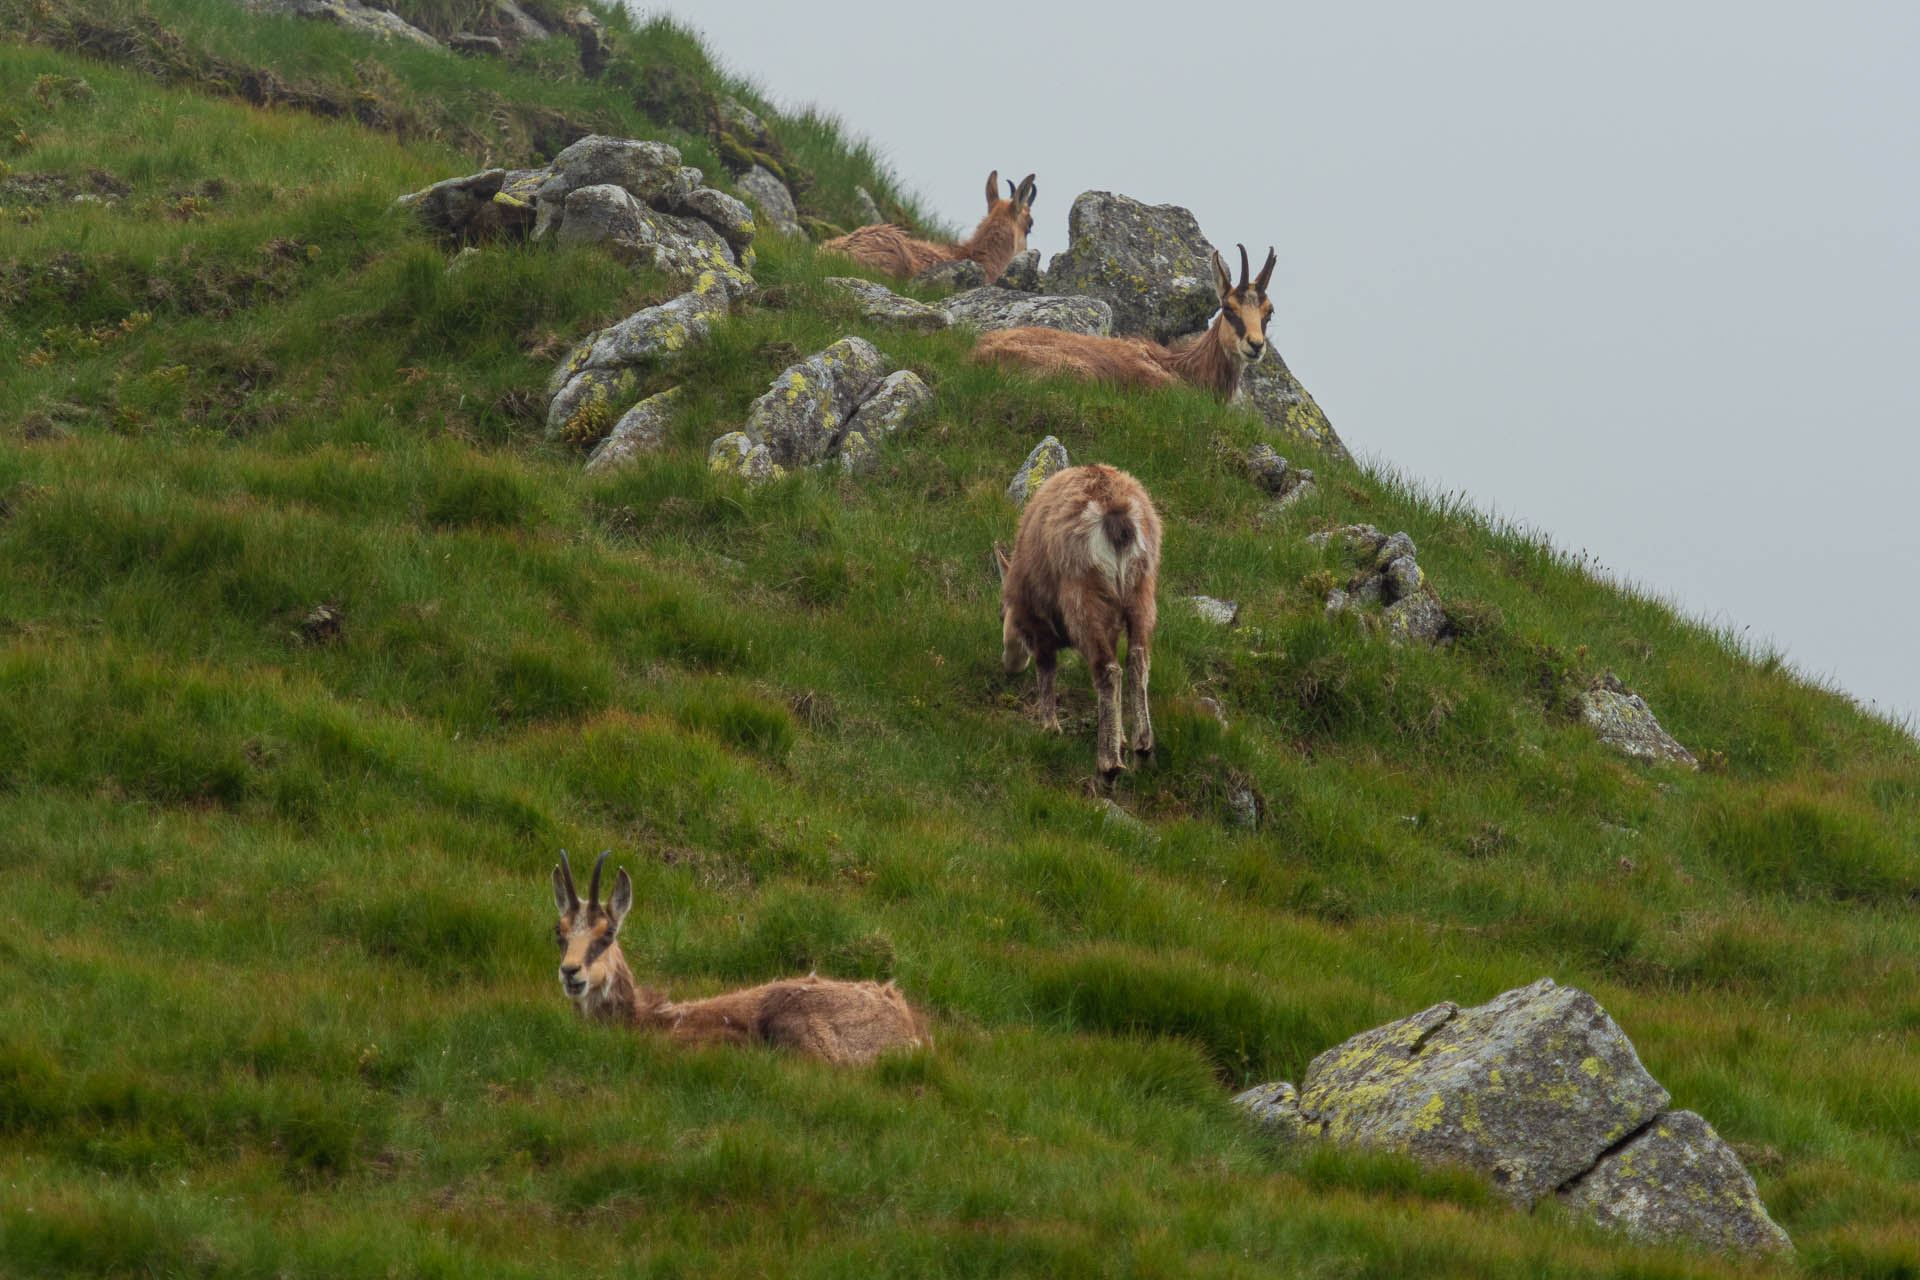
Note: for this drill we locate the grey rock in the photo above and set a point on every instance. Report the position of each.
(1678, 1181)
(1404, 578)
(1276, 1107)
(1149, 262)
(1244, 805)
(586, 406)
(1368, 589)
(1529, 1088)
(801, 416)
(732, 219)
(1393, 548)
(895, 404)
(1338, 602)
(772, 198)
(1303, 489)
(1417, 618)
(603, 213)
(472, 45)
(736, 117)
(641, 430)
(993, 307)
(518, 22)
(1268, 469)
(1022, 273)
(1362, 538)
(737, 453)
(1269, 389)
(1113, 816)
(450, 206)
(653, 336)
(1219, 612)
(883, 306)
(865, 206)
(1048, 458)
(959, 273)
(354, 16)
(648, 170)
(1621, 718)
(692, 251)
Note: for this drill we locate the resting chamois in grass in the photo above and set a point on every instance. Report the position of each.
(1084, 567)
(839, 1022)
(1212, 361)
(1000, 235)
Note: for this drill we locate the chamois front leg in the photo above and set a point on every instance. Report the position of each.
(1139, 659)
(1107, 735)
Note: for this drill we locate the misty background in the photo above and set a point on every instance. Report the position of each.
(1643, 278)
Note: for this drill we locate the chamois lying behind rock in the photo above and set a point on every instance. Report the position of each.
(1213, 360)
(838, 1022)
(993, 244)
(1084, 567)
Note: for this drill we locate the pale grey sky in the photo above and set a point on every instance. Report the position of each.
(1642, 276)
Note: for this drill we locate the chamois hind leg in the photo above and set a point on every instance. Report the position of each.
(1139, 659)
(1046, 661)
(1106, 686)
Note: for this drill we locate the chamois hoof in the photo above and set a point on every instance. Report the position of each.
(1143, 748)
(1109, 770)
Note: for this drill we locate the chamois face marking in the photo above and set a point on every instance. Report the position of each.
(586, 932)
(1244, 309)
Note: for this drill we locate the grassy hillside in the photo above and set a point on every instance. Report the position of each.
(281, 997)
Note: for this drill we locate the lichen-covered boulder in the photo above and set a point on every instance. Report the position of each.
(772, 197)
(1022, 273)
(1048, 458)
(959, 273)
(652, 336)
(650, 171)
(883, 306)
(1269, 389)
(1621, 718)
(993, 307)
(801, 415)
(737, 453)
(1415, 619)
(691, 250)
(451, 206)
(589, 403)
(900, 398)
(1271, 472)
(1529, 1088)
(354, 16)
(1678, 1181)
(603, 213)
(1148, 262)
(1221, 613)
(731, 218)
(641, 430)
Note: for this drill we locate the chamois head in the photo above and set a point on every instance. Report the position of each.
(1243, 309)
(1016, 209)
(586, 932)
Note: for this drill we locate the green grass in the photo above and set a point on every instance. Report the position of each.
(281, 997)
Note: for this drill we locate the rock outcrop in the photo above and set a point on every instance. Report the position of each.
(641, 430)
(837, 405)
(352, 15)
(1048, 457)
(995, 307)
(1149, 263)
(630, 194)
(771, 197)
(1621, 718)
(883, 306)
(1269, 389)
(1389, 577)
(1539, 1090)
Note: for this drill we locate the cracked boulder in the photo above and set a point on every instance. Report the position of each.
(838, 404)
(641, 430)
(1022, 273)
(585, 389)
(997, 307)
(1149, 263)
(1621, 718)
(1541, 1092)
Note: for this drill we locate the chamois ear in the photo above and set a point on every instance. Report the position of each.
(1222, 282)
(993, 188)
(1266, 272)
(620, 901)
(1024, 194)
(1002, 560)
(564, 898)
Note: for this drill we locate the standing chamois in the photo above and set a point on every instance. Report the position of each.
(1213, 360)
(1000, 235)
(838, 1022)
(1085, 563)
